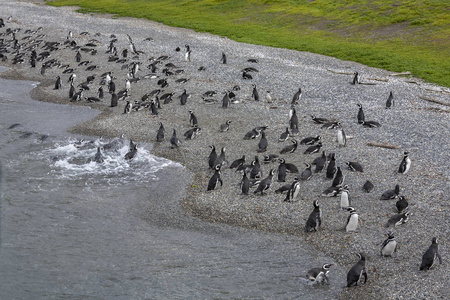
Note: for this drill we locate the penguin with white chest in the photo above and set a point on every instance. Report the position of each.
(319, 275)
(357, 271)
(389, 245)
(429, 257)
(405, 164)
(215, 179)
(352, 220)
(315, 218)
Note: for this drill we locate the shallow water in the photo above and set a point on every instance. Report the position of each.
(73, 228)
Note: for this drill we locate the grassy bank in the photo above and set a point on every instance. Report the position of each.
(397, 35)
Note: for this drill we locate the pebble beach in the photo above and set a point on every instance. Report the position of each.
(417, 123)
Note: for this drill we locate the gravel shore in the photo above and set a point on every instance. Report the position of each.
(417, 123)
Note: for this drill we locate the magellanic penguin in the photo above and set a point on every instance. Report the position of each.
(245, 184)
(160, 133)
(238, 162)
(58, 83)
(212, 157)
(174, 141)
(390, 100)
(354, 166)
(192, 118)
(361, 118)
(297, 96)
(355, 78)
(263, 143)
(264, 185)
(315, 218)
(310, 140)
(345, 200)
(99, 158)
(405, 164)
(389, 245)
(391, 194)
(293, 191)
(226, 126)
(223, 59)
(397, 220)
(338, 179)
(332, 191)
(215, 179)
(192, 133)
(184, 97)
(290, 148)
(284, 136)
(282, 170)
(331, 168)
(320, 162)
(307, 173)
(341, 136)
(255, 94)
(313, 149)
(255, 172)
(429, 257)
(132, 153)
(221, 160)
(187, 54)
(402, 204)
(352, 220)
(368, 186)
(128, 107)
(319, 275)
(357, 271)
(226, 100)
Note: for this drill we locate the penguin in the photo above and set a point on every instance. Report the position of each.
(127, 85)
(255, 171)
(290, 148)
(402, 204)
(238, 162)
(352, 220)
(310, 140)
(226, 100)
(100, 92)
(284, 136)
(160, 133)
(429, 257)
(223, 59)
(293, 119)
(281, 172)
(319, 275)
(354, 166)
(391, 194)
(99, 158)
(192, 133)
(192, 119)
(389, 245)
(220, 160)
(315, 218)
(265, 184)
(128, 107)
(320, 162)
(371, 124)
(132, 153)
(397, 220)
(255, 94)
(307, 173)
(341, 136)
(357, 271)
(78, 57)
(225, 127)
(114, 100)
(111, 87)
(338, 179)
(72, 78)
(332, 191)
(183, 97)
(331, 168)
(319, 120)
(215, 179)
(297, 96)
(293, 190)
(283, 188)
(187, 54)
(58, 83)
(330, 125)
(345, 201)
(270, 158)
(212, 157)
(390, 100)
(291, 168)
(368, 186)
(269, 98)
(154, 107)
(313, 149)
(245, 184)
(174, 141)
(355, 78)
(262, 145)
(360, 116)
(405, 164)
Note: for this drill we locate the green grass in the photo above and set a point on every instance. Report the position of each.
(397, 35)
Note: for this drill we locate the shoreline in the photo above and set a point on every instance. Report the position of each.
(277, 73)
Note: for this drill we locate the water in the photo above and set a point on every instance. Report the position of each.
(72, 228)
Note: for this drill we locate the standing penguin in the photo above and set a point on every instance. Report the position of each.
(319, 275)
(187, 54)
(357, 271)
(128, 107)
(262, 145)
(293, 191)
(174, 141)
(58, 83)
(341, 137)
(282, 170)
(320, 162)
(78, 57)
(345, 201)
(315, 218)
(225, 100)
(255, 94)
(297, 96)
(215, 179)
(293, 119)
(390, 100)
(212, 157)
(183, 97)
(221, 160)
(192, 119)
(114, 100)
(223, 59)
(160, 133)
(405, 164)
(265, 184)
(355, 78)
(352, 220)
(361, 118)
(389, 245)
(255, 172)
(338, 179)
(429, 257)
(100, 92)
(331, 168)
(245, 184)
(71, 90)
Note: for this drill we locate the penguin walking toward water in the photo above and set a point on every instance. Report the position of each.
(361, 118)
(352, 220)
(174, 140)
(255, 94)
(265, 184)
(405, 164)
(390, 100)
(215, 179)
(319, 275)
(315, 218)
(357, 271)
(429, 257)
(160, 133)
(389, 245)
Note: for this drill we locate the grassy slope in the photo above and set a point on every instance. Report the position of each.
(397, 35)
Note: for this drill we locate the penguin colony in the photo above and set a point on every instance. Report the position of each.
(280, 146)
